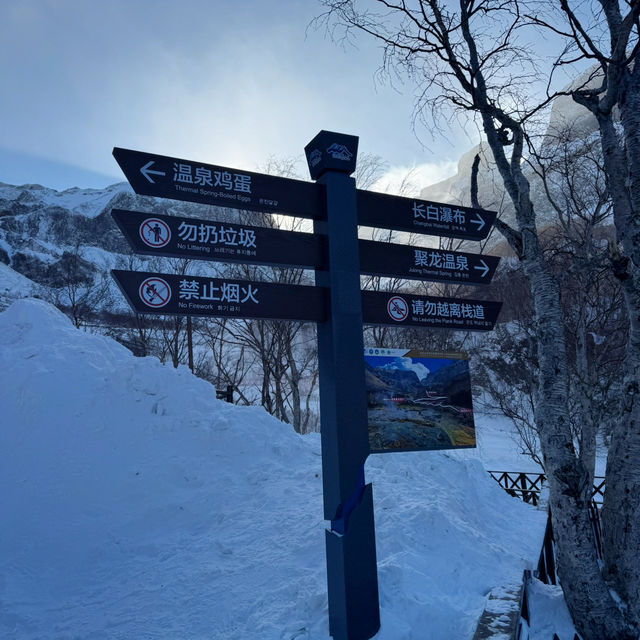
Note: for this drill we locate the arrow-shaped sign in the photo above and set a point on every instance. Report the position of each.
(199, 239)
(421, 263)
(179, 179)
(192, 181)
(422, 216)
(183, 295)
(146, 171)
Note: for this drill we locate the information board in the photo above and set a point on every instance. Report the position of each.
(418, 401)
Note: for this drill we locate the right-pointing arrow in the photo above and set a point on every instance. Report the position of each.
(146, 170)
(479, 220)
(484, 268)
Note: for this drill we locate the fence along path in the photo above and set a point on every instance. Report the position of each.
(528, 486)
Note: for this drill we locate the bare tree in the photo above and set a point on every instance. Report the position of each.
(475, 60)
(78, 288)
(606, 33)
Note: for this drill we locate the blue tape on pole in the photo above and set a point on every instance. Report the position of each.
(340, 524)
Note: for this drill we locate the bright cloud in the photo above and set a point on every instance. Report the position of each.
(410, 180)
(407, 364)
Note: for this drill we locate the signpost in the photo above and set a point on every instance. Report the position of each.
(429, 312)
(423, 216)
(336, 304)
(181, 295)
(165, 177)
(420, 263)
(199, 239)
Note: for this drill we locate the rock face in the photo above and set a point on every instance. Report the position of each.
(566, 119)
(452, 381)
(42, 229)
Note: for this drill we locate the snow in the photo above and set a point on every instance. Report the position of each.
(498, 445)
(14, 285)
(85, 202)
(548, 613)
(136, 505)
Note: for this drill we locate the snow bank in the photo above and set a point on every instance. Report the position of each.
(136, 505)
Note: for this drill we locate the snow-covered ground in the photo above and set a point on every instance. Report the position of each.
(14, 285)
(135, 505)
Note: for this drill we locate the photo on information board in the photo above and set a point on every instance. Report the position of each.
(418, 400)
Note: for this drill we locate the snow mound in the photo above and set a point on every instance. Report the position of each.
(14, 285)
(136, 505)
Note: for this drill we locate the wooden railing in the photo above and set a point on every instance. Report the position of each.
(528, 485)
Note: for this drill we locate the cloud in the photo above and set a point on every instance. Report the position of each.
(407, 364)
(410, 180)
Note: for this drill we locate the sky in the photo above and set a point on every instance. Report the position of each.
(219, 81)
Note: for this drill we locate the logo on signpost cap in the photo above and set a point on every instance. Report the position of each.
(155, 233)
(314, 157)
(339, 152)
(398, 308)
(330, 151)
(155, 292)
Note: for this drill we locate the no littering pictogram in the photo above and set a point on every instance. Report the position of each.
(155, 292)
(398, 308)
(155, 233)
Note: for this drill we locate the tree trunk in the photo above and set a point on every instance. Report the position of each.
(621, 509)
(594, 610)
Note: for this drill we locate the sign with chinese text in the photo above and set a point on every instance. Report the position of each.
(197, 239)
(422, 216)
(419, 263)
(182, 295)
(429, 312)
(166, 177)
(418, 401)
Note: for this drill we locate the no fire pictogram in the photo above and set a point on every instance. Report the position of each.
(155, 232)
(155, 292)
(398, 308)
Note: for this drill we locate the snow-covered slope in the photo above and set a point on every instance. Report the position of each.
(40, 228)
(85, 202)
(136, 505)
(14, 285)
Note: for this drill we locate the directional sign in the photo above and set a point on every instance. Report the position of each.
(198, 239)
(181, 295)
(428, 312)
(165, 177)
(419, 263)
(423, 216)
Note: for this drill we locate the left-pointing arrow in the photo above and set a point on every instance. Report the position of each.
(146, 170)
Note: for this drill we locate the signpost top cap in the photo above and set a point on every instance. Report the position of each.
(330, 151)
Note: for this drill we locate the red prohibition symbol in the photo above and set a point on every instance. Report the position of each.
(155, 233)
(155, 292)
(398, 308)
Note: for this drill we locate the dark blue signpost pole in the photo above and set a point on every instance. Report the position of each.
(348, 503)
